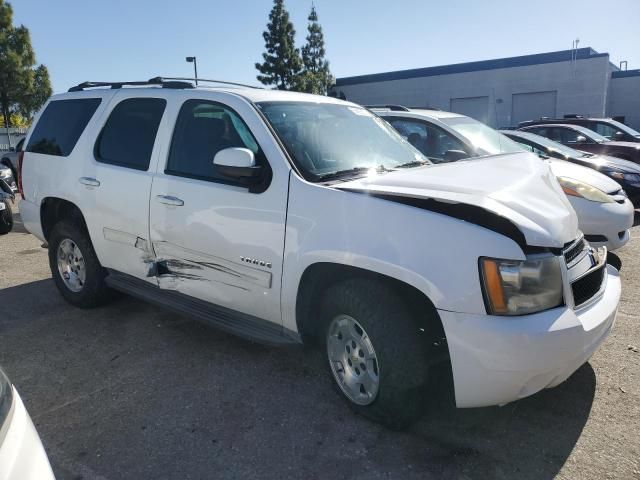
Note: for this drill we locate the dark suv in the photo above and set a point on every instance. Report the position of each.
(586, 140)
(607, 127)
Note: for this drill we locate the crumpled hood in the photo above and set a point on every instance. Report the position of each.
(562, 168)
(517, 186)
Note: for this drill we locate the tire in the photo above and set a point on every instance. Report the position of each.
(400, 363)
(6, 219)
(84, 291)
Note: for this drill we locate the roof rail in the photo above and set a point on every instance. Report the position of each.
(573, 115)
(115, 85)
(222, 82)
(394, 108)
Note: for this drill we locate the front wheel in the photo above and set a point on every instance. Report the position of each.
(6, 217)
(374, 352)
(75, 267)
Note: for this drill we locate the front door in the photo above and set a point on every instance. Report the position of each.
(215, 239)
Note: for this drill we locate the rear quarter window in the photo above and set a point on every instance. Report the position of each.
(61, 125)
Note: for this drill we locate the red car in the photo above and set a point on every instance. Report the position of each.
(586, 140)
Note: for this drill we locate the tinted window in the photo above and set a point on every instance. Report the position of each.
(432, 141)
(604, 129)
(202, 130)
(61, 125)
(128, 136)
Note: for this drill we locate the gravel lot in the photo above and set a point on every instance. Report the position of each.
(132, 391)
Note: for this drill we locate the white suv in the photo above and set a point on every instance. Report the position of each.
(287, 217)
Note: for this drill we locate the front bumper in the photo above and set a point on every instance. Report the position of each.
(22, 456)
(497, 360)
(604, 224)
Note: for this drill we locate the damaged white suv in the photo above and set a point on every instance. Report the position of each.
(286, 217)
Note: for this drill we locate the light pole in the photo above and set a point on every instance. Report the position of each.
(195, 66)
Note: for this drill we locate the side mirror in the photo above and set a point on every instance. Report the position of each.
(454, 155)
(581, 139)
(12, 149)
(238, 164)
(618, 135)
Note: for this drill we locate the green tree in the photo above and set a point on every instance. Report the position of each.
(281, 62)
(316, 76)
(39, 92)
(22, 88)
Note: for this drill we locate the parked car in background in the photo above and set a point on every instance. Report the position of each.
(22, 456)
(6, 214)
(626, 173)
(604, 212)
(7, 175)
(10, 158)
(607, 127)
(587, 140)
(193, 197)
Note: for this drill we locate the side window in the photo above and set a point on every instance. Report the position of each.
(432, 141)
(128, 137)
(604, 129)
(61, 125)
(203, 129)
(20, 145)
(570, 136)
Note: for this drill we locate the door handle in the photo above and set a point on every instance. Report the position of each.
(90, 182)
(169, 200)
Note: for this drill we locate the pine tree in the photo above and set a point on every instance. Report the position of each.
(22, 89)
(282, 64)
(316, 77)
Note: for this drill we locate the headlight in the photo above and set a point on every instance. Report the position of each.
(576, 188)
(519, 287)
(6, 397)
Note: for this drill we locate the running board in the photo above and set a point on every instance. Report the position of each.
(246, 326)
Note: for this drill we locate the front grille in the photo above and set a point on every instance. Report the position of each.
(586, 287)
(572, 253)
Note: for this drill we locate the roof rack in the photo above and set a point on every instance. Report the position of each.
(115, 85)
(222, 82)
(394, 108)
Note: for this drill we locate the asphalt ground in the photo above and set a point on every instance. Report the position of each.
(131, 391)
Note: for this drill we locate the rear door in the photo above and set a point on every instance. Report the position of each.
(116, 182)
(214, 239)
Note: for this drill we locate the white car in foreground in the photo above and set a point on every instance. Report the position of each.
(286, 218)
(605, 214)
(22, 456)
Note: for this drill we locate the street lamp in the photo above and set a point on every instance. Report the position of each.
(195, 66)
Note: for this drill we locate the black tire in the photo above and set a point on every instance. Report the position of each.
(401, 355)
(94, 291)
(6, 219)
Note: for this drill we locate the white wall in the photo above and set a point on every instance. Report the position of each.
(581, 88)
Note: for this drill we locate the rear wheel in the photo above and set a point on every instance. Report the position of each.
(374, 352)
(75, 268)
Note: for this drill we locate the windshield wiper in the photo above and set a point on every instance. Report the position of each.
(347, 172)
(414, 163)
(350, 172)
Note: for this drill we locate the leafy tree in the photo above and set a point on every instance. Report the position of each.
(316, 77)
(22, 89)
(282, 63)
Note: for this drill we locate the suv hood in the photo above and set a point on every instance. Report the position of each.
(562, 168)
(629, 145)
(613, 163)
(518, 186)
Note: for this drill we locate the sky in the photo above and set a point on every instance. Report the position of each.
(138, 39)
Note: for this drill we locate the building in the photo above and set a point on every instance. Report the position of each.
(505, 91)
